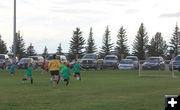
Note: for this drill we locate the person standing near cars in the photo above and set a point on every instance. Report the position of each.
(54, 70)
(12, 66)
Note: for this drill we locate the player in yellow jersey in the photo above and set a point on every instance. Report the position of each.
(54, 70)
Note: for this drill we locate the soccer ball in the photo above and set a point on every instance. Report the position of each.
(51, 80)
(78, 78)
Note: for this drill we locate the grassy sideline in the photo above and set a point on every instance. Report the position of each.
(98, 90)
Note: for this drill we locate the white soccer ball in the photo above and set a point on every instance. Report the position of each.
(78, 78)
(51, 79)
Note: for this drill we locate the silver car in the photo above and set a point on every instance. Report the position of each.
(135, 61)
(110, 61)
(126, 64)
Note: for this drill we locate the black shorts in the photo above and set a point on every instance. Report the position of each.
(54, 73)
(77, 73)
(66, 79)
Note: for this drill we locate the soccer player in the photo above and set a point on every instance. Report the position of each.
(66, 74)
(12, 66)
(77, 68)
(45, 66)
(54, 69)
(61, 69)
(28, 74)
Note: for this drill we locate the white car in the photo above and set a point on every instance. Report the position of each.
(126, 64)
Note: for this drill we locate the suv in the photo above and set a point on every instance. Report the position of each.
(4, 61)
(91, 60)
(111, 61)
(24, 62)
(154, 63)
(38, 60)
(135, 61)
(176, 63)
(61, 58)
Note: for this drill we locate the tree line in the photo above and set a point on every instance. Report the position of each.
(142, 47)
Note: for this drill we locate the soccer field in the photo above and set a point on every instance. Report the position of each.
(98, 90)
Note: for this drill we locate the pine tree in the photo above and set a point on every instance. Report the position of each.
(45, 53)
(107, 45)
(20, 46)
(91, 48)
(76, 44)
(158, 46)
(122, 47)
(140, 43)
(3, 48)
(175, 42)
(59, 50)
(30, 50)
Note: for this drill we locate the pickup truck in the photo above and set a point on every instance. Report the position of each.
(91, 61)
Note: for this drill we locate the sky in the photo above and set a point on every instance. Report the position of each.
(50, 22)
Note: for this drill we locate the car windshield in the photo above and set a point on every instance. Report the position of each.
(153, 59)
(132, 58)
(25, 60)
(126, 62)
(89, 56)
(2, 57)
(34, 58)
(109, 58)
(177, 58)
(50, 58)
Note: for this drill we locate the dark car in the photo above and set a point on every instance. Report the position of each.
(24, 62)
(154, 63)
(4, 61)
(176, 63)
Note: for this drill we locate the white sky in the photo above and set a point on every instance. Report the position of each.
(50, 22)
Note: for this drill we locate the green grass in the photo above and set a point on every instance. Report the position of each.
(98, 90)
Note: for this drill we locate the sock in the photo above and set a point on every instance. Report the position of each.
(24, 79)
(31, 81)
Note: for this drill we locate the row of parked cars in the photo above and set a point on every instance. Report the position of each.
(90, 61)
(93, 61)
(36, 61)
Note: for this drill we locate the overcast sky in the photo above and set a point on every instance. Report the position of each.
(50, 22)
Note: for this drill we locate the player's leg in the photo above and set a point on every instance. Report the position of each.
(67, 82)
(31, 80)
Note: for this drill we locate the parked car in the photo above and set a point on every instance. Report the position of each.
(154, 63)
(24, 62)
(91, 61)
(61, 58)
(110, 61)
(126, 64)
(4, 61)
(175, 62)
(38, 60)
(135, 61)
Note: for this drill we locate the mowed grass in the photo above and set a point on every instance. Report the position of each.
(98, 90)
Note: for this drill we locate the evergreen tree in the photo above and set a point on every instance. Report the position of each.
(175, 42)
(107, 45)
(59, 50)
(76, 44)
(140, 43)
(20, 46)
(30, 50)
(158, 46)
(45, 53)
(91, 48)
(3, 48)
(122, 47)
